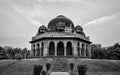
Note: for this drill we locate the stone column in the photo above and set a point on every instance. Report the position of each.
(45, 48)
(84, 50)
(40, 48)
(55, 48)
(65, 49)
(48, 50)
(87, 53)
(74, 48)
(35, 50)
(80, 48)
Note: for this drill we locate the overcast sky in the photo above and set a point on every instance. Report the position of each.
(20, 19)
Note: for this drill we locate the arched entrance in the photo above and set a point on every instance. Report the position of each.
(38, 49)
(82, 50)
(42, 48)
(78, 48)
(51, 49)
(60, 49)
(69, 49)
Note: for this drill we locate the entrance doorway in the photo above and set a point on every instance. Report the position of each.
(51, 49)
(69, 49)
(60, 49)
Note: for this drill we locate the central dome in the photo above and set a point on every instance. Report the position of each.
(60, 19)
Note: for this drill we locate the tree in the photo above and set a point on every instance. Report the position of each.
(98, 52)
(114, 51)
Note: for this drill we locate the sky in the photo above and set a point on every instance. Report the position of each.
(20, 19)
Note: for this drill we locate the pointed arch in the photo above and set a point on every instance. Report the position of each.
(60, 48)
(38, 49)
(51, 48)
(69, 50)
(42, 48)
(82, 50)
(78, 48)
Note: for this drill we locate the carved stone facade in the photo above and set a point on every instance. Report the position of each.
(60, 39)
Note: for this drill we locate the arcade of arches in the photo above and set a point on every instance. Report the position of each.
(61, 48)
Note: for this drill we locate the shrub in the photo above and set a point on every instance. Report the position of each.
(37, 69)
(18, 56)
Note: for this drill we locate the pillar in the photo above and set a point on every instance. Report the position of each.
(80, 48)
(55, 48)
(65, 49)
(35, 50)
(40, 49)
(87, 53)
(74, 48)
(48, 50)
(45, 52)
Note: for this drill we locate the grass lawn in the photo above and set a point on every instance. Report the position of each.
(25, 67)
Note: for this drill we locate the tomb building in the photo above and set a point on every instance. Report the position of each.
(60, 38)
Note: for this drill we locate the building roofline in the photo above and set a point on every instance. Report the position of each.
(47, 38)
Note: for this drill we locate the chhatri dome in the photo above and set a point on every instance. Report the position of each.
(60, 39)
(42, 29)
(78, 27)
